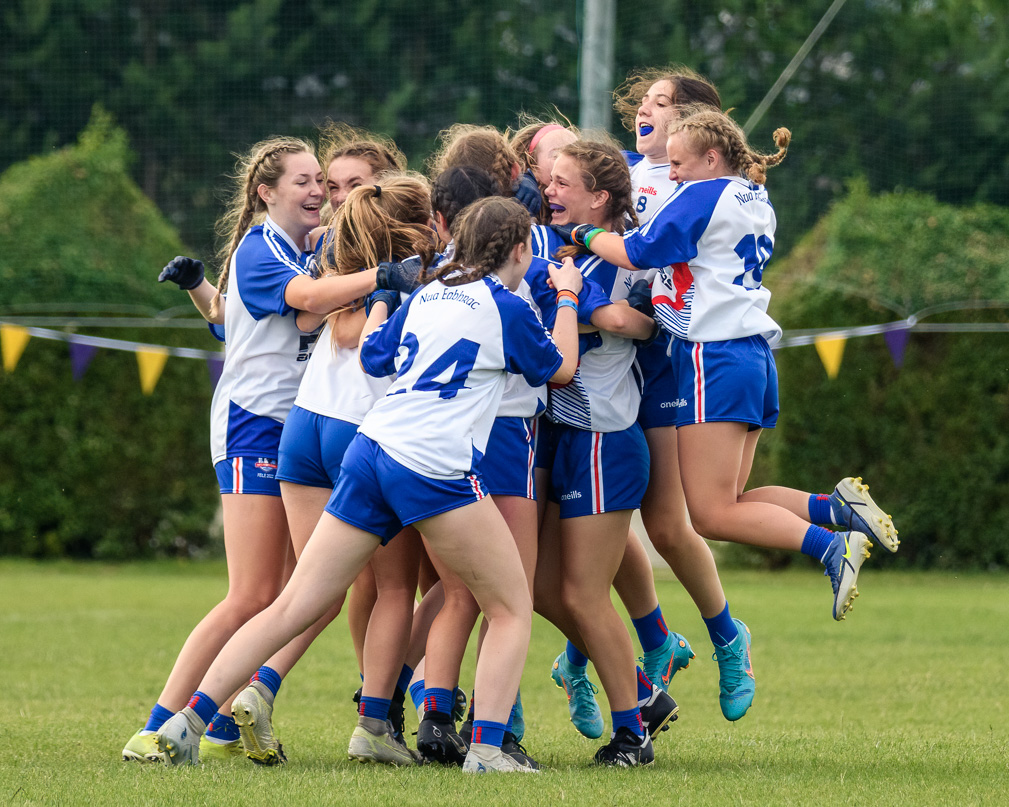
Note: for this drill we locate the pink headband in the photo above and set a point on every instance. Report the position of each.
(550, 127)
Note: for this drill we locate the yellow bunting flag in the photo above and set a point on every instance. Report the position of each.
(830, 350)
(151, 362)
(13, 339)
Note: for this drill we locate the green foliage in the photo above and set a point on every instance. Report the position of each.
(95, 468)
(929, 437)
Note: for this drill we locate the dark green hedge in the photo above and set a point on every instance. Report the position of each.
(95, 468)
(930, 438)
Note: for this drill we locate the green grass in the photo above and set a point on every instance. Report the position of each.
(905, 703)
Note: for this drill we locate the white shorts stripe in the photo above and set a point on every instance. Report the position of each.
(697, 354)
(236, 484)
(598, 493)
(531, 435)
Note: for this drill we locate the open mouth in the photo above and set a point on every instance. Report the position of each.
(645, 129)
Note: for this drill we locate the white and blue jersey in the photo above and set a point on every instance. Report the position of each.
(650, 186)
(606, 390)
(711, 241)
(266, 353)
(451, 348)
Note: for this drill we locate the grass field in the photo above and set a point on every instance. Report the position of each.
(904, 704)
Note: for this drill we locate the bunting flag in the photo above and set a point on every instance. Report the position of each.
(214, 367)
(13, 340)
(80, 358)
(896, 341)
(830, 348)
(151, 362)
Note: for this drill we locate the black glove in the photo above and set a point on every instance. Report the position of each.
(574, 234)
(186, 273)
(387, 296)
(527, 191)
(399, 276)
(640, 298)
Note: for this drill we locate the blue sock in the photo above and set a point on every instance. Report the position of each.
(374, 707)
(488, 733)
(816, 542)
(438, 700)
(652, 630)
(269, 678)
(417, 692)
(159, 715)
(644, 686)
(405, 676)
(222, 727)
(820, 511)
(721, 628)
(576, 658)
(204, 707)
(630, 719)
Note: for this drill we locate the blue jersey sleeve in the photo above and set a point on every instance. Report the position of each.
(632, 157)
(381, 348)
(528, 349)
(590, 298)
(673, 232)
(264, 266)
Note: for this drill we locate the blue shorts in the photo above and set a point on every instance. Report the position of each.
(312, 447)
(660, 394)
(378, 495)
(507, 466)
(599, 472)
(733, 381)
(546, 442)
(248, 475)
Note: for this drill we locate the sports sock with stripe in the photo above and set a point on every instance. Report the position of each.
(374, 707)
(721, 628)
(651, 629)
(630, 719)
(816, 542)
(820, 511)
(488, 732)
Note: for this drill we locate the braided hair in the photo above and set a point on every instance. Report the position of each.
(485, 233)
(707, 129)
(264, 164)
(482, 146)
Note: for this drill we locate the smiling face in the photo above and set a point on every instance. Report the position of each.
(686, 164)
(654, 115)
(345, 174)
(570, 201)
(295, 200)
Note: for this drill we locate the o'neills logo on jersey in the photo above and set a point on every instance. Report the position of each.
(263, 464)
(574, 494)
(649, 190)
(679, 402)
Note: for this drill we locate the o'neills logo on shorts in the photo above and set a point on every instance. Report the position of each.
(264, 464)
(574, 494)
(679, 402)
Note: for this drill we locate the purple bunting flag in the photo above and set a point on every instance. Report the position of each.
(214, 367)
(896, 341)
(80, 358)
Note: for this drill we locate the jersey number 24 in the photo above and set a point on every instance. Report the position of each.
(447, 374)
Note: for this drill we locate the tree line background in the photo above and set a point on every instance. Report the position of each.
(894, 198)
(909, 94)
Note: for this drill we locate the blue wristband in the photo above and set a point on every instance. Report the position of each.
(566, 302)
